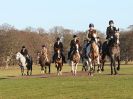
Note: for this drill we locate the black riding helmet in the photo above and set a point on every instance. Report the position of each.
(23, 46)
(43, 45)
(58, 39)
(74, 36)
(111, 21)
(91, 25)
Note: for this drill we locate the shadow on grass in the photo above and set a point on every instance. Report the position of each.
(120, 74)
(3, 78)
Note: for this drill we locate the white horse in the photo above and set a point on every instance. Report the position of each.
(22, 62)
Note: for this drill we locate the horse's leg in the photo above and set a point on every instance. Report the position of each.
(90, 67)
(61, 69)
(42, 69)
(21, 71)
(103, 62)
(112, 60)
(27, 72)
(31, 70)
(72, 68)
(114, 66)
(94, 65)
(49, 68)
(45, 69)
(99, 65)
(75, 70)
(57, 65)
(118, 59)
(86, 66)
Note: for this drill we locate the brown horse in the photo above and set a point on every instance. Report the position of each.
(44, 64)
(93, 58)
(113, 51)
(75, 60)
(58, 62)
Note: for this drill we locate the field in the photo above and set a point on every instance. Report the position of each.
(101, 86)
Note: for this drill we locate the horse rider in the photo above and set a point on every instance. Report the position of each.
(24, 51)
(58, 45)
(110, 31)
(44, 52)
(73, 45)
(91, 35)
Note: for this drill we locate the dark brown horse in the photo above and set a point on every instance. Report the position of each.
(58, 62)
(112, 49)
(44, 64)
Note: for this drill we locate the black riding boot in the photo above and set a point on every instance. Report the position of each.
(53, 58)
(63, 58)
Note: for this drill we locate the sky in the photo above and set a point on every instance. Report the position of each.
(71, 14)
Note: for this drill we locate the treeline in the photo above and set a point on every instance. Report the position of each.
(126, 40)
(12, 39)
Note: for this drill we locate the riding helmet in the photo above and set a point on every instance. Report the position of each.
(43, 45)
(23, 46)
(74, 36)
(91, 25)
(58, 38)
(111, 21)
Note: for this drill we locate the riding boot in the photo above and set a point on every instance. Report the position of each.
(53, 58)
(63, 58)
(69, 55)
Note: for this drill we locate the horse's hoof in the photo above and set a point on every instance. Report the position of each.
(99, 72)
(92, 75)
(102, 69)
(116, 73)
(118, 68)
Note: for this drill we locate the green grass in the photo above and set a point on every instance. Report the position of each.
(101, 86)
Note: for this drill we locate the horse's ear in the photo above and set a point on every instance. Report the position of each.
(117, 29)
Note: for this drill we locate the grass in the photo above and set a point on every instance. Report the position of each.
(101, 86)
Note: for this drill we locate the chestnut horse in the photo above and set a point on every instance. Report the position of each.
(58, 61)
(44, 63)
(93, 58)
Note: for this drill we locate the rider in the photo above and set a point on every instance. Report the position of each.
(44, 52)
(58, 44)
(110, 32)
(24, 51)
(92, 33)
(72, 45)
(91, 36)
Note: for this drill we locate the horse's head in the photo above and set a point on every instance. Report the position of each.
(58, 52)
(117, 36)
(77, 47)
(18, 55)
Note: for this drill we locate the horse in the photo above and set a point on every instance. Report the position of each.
(93, 58)
(75, 59)
(58, 61)
(22, 62)
(83, 57)
(29, 65)
(112, 49)
(44, 63)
